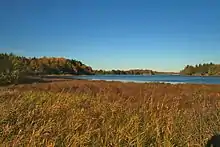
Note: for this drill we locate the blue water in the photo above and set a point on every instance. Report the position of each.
(174, 79)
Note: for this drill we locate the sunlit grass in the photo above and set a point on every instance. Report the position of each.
(109, 117)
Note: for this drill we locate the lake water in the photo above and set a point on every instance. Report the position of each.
(173, 79)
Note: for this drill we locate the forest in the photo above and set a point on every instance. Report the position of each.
(13, 67)
(206, 69)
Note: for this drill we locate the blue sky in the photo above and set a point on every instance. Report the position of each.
(162, 35)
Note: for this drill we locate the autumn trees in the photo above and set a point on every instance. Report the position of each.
(13, 67)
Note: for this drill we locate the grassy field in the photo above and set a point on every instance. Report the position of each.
(113, 114)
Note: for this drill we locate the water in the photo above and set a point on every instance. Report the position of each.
(173, 79)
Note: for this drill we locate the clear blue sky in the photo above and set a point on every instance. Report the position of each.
(162, 35)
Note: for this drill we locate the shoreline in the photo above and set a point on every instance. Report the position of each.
(84, 85)
(70, 77)
(67, 75)
(52, 79)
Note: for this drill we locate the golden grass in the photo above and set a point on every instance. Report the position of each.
(114, 114)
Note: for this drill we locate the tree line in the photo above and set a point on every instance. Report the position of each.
(206, 69)
(125, 72)
(13, 67)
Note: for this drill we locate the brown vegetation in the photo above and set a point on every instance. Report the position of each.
(99, 113)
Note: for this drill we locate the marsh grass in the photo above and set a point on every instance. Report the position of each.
(109, 114)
